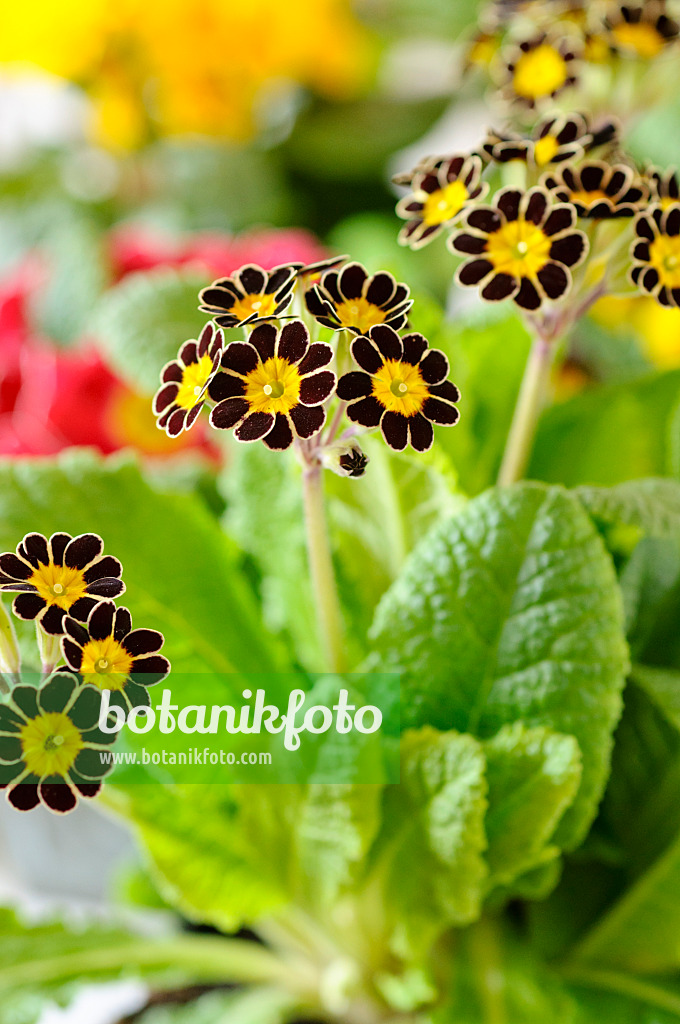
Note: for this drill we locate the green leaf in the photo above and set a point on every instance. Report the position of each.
(650, 584)
(533, 776)
(610, 434)
(249, 1006)
(142, 323)
(662, 686)
(435, 822)
(652, 506)
(182, 574)
(511, 612)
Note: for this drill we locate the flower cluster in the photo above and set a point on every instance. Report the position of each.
(277, 380)
(49, 737)
(537, 51)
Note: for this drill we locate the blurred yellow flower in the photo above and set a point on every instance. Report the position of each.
(188, 66)
(657, 327)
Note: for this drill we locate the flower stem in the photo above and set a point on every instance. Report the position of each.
(527, 411)
(10, 659)
(321, 568)
(50, 651)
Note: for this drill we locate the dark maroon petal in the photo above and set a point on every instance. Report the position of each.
(317, 387)
(387, 341)
(381, 288)
(554, 280)
(650, 280)
(83, 550)
(82, 608)
(644, 229)
(665, 297)
(228, 413)
(591, 177)
(527, 297)
(107, 566)
(484, 219)
(263, 338)
(100, 622)
(108, 587)
(192, 415)
(205, 339)
(58, 544)
(73, 653)
(254, 426)
(293, 342)
(400, 300)
(394, 428)
(172, 372)
(123, 624)
(354, 385)
(351, 280)
(307, 421)
(473, 272)
(366, 355)
(76, 631)
(446, 390)
(226, 385)
(421, 433)
(414, 346)
(499, 287)
(52, 620)
(87, 789)
(536, 206)
(35, 548)
(568, 250)
(188, 354)
(280, 436)
(560, 219)
(440, 412)
(218, 298)
(368, 412)
(143, 641)
(240, 357)
(28, 606)
(147, 671)
(24, 797)
(672, 224)
(434, 367)
(14, 567)
(316, 305)
(252, 279)
(469, 244)
(175, 423)
(319, 355)
(56, 794)
(508, 202)
(279, 277)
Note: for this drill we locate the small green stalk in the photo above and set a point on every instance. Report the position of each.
(532, 397)
(10, 659)
(321, 567)
(50, 650)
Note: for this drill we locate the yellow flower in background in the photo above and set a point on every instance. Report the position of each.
(189, 66)
(657, 327)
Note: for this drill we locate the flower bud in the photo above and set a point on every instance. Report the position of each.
(345, 459)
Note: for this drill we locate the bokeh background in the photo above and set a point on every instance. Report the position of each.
(147, 142)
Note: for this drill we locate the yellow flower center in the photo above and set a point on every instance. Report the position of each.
(519, 249)
(194, 380)
(666, 201)
(596, 50)
(263, 305)
(545, 149)
(59, 585)
(664, 256)
(540, 72)
(482, 51)
(50, 744)
(359, 313)
(106, 664)
(400, 387)
(273, 386)
(643, 38)
(588, 199)
(445, 203)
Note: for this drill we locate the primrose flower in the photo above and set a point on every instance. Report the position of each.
(351, 300)
(50, 744)
(554, 140)
(110, 655)
(273, 386)
(656, 254)
(401, 387)
(61, 575)
(438, 197)
(640, 30)
(598, 190)
(251, 295)
(521, 248)
(664, 186)
(184, 382)
(541, 68)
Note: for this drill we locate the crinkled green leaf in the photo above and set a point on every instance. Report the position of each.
(662, 686)
(533, 776)
(142, 323)
(436, 873)
(182, 574)
(244, 1006)
(511, 612)
(650, 584)
(652, 505)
